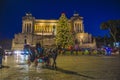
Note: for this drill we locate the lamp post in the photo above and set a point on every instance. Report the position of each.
(32, 39)
(42, 38)
(25, 41)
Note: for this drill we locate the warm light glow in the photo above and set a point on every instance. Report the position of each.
(6, 59)
(47, 21)
(81, 36)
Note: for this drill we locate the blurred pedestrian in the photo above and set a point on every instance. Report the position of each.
(71, 49)
(76, 48)
(2, 55)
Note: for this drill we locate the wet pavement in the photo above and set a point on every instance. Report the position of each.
(70, 68)
(15, 67)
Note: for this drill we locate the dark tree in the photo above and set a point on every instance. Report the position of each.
(114, 28)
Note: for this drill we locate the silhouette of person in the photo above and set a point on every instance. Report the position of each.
(2, 54)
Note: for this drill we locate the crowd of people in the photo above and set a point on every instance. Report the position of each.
(48, 56)
(77, 50)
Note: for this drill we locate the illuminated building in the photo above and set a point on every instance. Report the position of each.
(44, 31)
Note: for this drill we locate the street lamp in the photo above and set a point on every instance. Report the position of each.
(42, 37)
(25, 41)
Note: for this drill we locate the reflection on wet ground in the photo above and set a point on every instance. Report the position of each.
(16, 68)
(70, 68)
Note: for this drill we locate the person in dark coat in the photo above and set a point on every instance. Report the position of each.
(2, 55)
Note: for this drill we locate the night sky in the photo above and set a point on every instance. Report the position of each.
(94, 12)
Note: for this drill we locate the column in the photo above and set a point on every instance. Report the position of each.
(38, 28)
(35, 28)
(26, 26)
(74, 27)
(82, 27)
(23, 26)
(31, 27)
(79, 30)
(50, 30)
(77, 27)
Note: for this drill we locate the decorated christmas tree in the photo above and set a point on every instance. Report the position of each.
(64, 36)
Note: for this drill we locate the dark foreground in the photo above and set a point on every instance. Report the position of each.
(68, 68)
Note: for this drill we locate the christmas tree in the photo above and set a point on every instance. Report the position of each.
(64, 36)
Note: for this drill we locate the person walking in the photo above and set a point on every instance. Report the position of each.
(76, 48)
(71, 49)
(2, 54)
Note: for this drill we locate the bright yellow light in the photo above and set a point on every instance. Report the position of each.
(81, 36)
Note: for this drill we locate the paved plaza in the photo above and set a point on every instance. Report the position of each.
(82, 67)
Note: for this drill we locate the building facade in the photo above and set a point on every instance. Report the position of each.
(44, 31)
